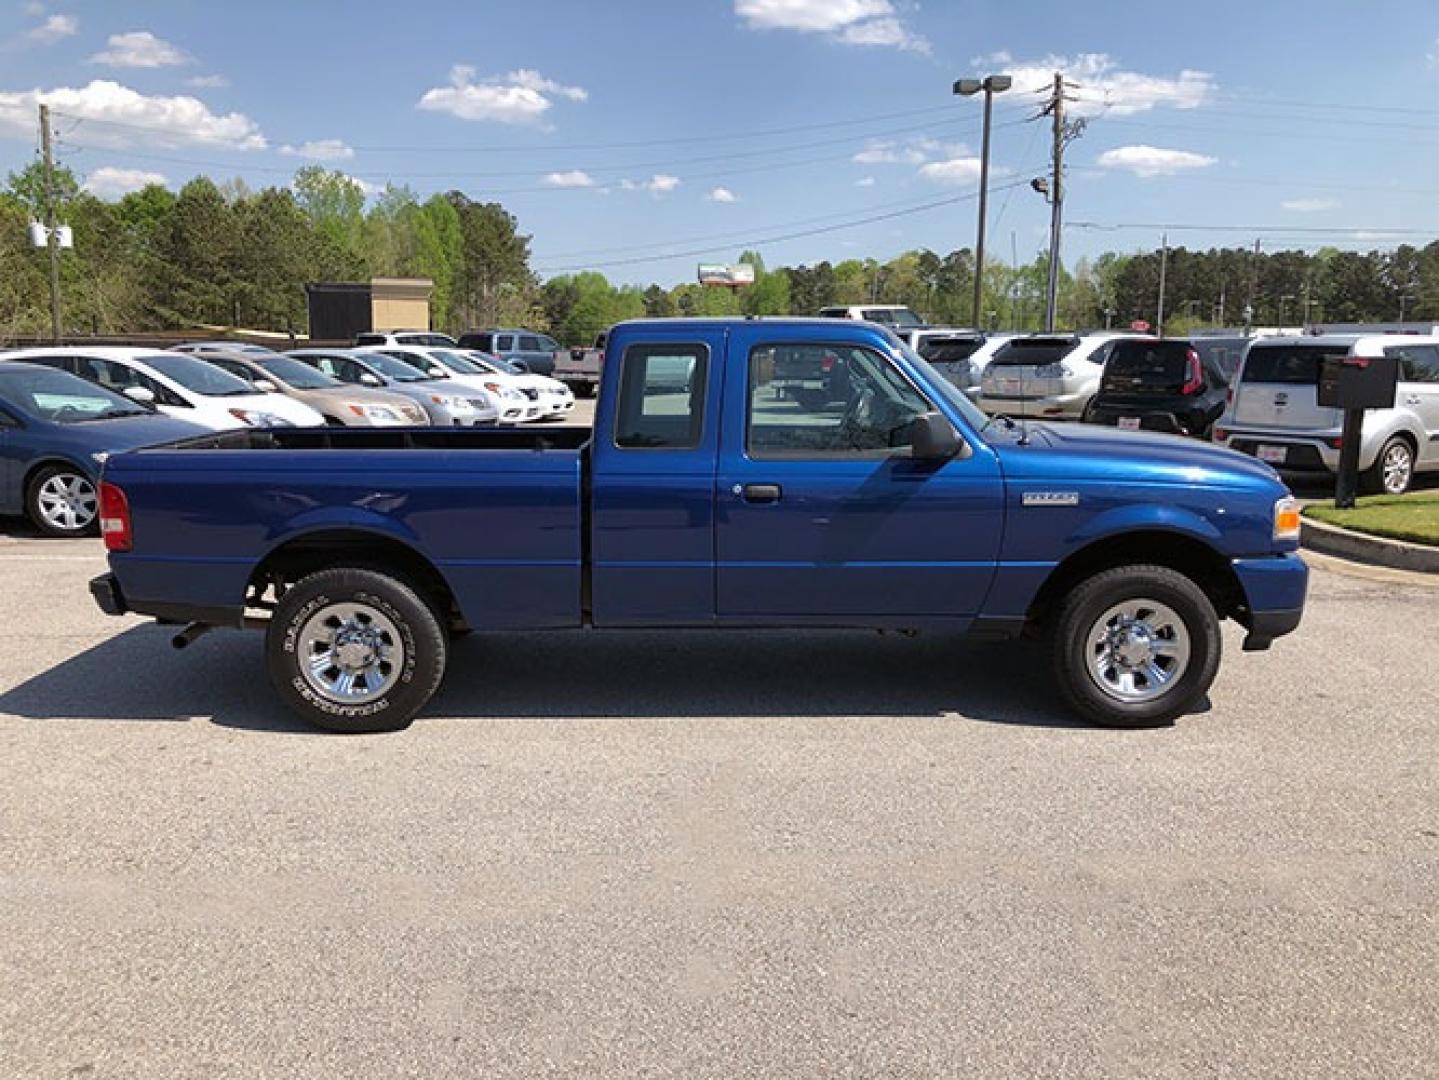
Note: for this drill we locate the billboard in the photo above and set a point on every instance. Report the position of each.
(729, 276)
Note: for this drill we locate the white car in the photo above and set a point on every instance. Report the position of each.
(555, 398)
(896, 317)
(1049, 376)
(959, 355)
(514, 404)
(177, 385)
(427, 338)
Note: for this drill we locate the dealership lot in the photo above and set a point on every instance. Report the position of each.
(756, 854)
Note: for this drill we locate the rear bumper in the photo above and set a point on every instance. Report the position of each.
(1068, 405)
(1274, 592)
(108, 597)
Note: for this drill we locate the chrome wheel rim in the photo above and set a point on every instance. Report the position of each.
(1398, 466)
(67, 501)
(1138, 651)
(350, 653)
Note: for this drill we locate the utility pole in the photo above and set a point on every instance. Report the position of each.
(1220, 320)
(51, 228)
(1163, 274)
(1063, 133)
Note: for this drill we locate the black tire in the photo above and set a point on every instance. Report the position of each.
(1372, 480)
(1080, 614)
(583, 389)
(41, 487)
(417, 630)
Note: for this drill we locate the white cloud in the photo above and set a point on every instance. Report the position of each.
(370, 189)
(55, 28)
(1309, 206)
(1101, 85)
(658, 184)
(1433, 54)
(953, 171)
(34, 9)
(108, 182)
(1153, 160)
(207, 82)
(888, 152)
(155, 121)
(850, 22)
(575, 178)
(140, 49)
(722, 195)
(320, 150)
(518, 97)
(864, 181)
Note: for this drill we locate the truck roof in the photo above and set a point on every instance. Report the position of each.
(721, 322)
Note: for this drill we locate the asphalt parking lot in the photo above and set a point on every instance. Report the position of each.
(758, 854)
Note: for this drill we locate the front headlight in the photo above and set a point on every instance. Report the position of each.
(454, 404)
(376, 412)
(256, 418)
(1286, 518)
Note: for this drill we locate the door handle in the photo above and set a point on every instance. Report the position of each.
(760, 493)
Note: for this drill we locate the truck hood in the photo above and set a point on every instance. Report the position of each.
(1093, 452)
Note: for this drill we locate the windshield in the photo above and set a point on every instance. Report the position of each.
(494, 364)
(391, 368)
(63, 398)
(1288, 365)
(197, 376)
(902, 317)
(295, 374)
(938, 384)
(457, 362)
(1026, 351)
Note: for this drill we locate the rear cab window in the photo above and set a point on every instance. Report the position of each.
(661, 396)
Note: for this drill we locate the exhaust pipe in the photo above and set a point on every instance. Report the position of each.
(191, 634)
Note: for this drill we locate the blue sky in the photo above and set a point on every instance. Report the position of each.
(641, 137)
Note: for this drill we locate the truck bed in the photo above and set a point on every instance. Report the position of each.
(497, 512)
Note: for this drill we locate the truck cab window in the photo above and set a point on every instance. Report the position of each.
(661, 397)
(827, 401)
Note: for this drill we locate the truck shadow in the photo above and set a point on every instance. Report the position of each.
(698, 675)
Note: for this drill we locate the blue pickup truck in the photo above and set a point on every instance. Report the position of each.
(709, 494)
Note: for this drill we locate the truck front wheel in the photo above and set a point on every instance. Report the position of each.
(1136, 646)
(354, 650)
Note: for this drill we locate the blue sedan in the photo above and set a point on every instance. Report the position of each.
(55, 430)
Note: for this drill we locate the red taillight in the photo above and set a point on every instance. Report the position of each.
(1219, 434)
(115, 519)
(1335, 443)
(1194, 379)
(826, 363)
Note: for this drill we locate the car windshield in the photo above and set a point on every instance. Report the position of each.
(1291, 365)
(946, 350)
(940, 385)
(1037, 351)
(295, 374)
(495, 364)
(425, 339)
(63, 398)
(457, 362)
(1148, 363)
(391, 368)
(197, 376)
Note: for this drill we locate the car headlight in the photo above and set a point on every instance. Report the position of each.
(376, 412)
(1286, 518)
(258, 418)
(454, 404)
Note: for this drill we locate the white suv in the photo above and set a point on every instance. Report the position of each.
(1050, 376)
(426, 338)
(1274, 412)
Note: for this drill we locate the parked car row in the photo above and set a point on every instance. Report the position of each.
(62, 409)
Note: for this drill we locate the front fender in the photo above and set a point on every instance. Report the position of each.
(1138, 517)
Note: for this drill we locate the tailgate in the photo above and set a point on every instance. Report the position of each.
(1278, 387)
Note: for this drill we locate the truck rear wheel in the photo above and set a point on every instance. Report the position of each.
(1136, 646)
(355, 650)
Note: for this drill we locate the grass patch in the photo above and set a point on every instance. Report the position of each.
(1413, 517)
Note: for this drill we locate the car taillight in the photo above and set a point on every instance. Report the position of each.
(1194, 379)
(1219, 434)
(115, 519)
(826, 363)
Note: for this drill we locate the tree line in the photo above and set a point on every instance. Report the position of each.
(215, 256)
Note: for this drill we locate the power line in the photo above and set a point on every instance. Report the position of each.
(757, 241)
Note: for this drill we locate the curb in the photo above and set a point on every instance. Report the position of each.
(1377, 551)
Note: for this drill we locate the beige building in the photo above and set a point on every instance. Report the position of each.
(400, 303)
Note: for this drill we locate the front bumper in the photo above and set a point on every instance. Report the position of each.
(1274, 591)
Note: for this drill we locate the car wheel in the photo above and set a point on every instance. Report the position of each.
(354, 650)
(1136, 646)
(62, 501)
(1392, 471)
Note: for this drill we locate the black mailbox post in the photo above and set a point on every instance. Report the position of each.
(1355, 383)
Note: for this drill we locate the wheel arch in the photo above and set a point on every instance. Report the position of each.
(35, 467)
(325, 548)
(1187, 554)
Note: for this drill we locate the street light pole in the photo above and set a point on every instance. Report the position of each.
(990, 85)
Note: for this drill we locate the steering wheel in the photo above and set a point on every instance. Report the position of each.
(858, 415)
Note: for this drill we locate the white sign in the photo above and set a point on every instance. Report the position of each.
(717, 274)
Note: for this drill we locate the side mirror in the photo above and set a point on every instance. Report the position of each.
(143, 394)
(265, 386)
(933, 438)
(438, 372)
(366, 379)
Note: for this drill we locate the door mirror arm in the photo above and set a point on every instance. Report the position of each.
(933, 438)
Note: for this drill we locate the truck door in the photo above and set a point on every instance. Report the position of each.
(822, 514)
(655, 446)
